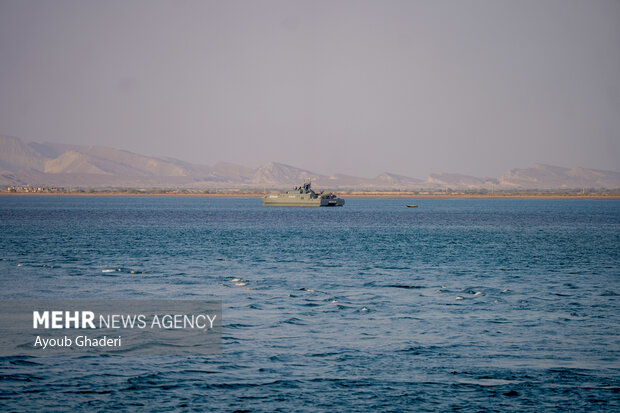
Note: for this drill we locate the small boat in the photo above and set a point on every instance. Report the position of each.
(412, 206)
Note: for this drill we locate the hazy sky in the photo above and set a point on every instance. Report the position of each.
(357, 87)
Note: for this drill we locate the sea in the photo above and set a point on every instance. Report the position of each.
(457, 305)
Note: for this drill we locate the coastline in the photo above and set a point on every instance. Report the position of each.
(356, 194)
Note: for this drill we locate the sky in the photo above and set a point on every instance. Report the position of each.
(355, 87)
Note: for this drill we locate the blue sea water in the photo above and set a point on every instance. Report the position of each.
(469, 305)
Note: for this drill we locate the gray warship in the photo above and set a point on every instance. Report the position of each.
(303, 196)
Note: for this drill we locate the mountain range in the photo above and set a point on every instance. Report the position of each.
(70, 166)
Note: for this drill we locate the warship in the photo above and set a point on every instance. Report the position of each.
(303, 196)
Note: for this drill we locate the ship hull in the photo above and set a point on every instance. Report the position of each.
(287, 201)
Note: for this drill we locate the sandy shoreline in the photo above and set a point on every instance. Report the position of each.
(367, 195)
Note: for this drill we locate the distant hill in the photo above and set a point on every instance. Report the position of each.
(459, 181)
(51, 164)
(541, 176)
(277, 174)
(15, 155)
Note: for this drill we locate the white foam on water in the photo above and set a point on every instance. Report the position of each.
(459, 298)
(108, 270)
